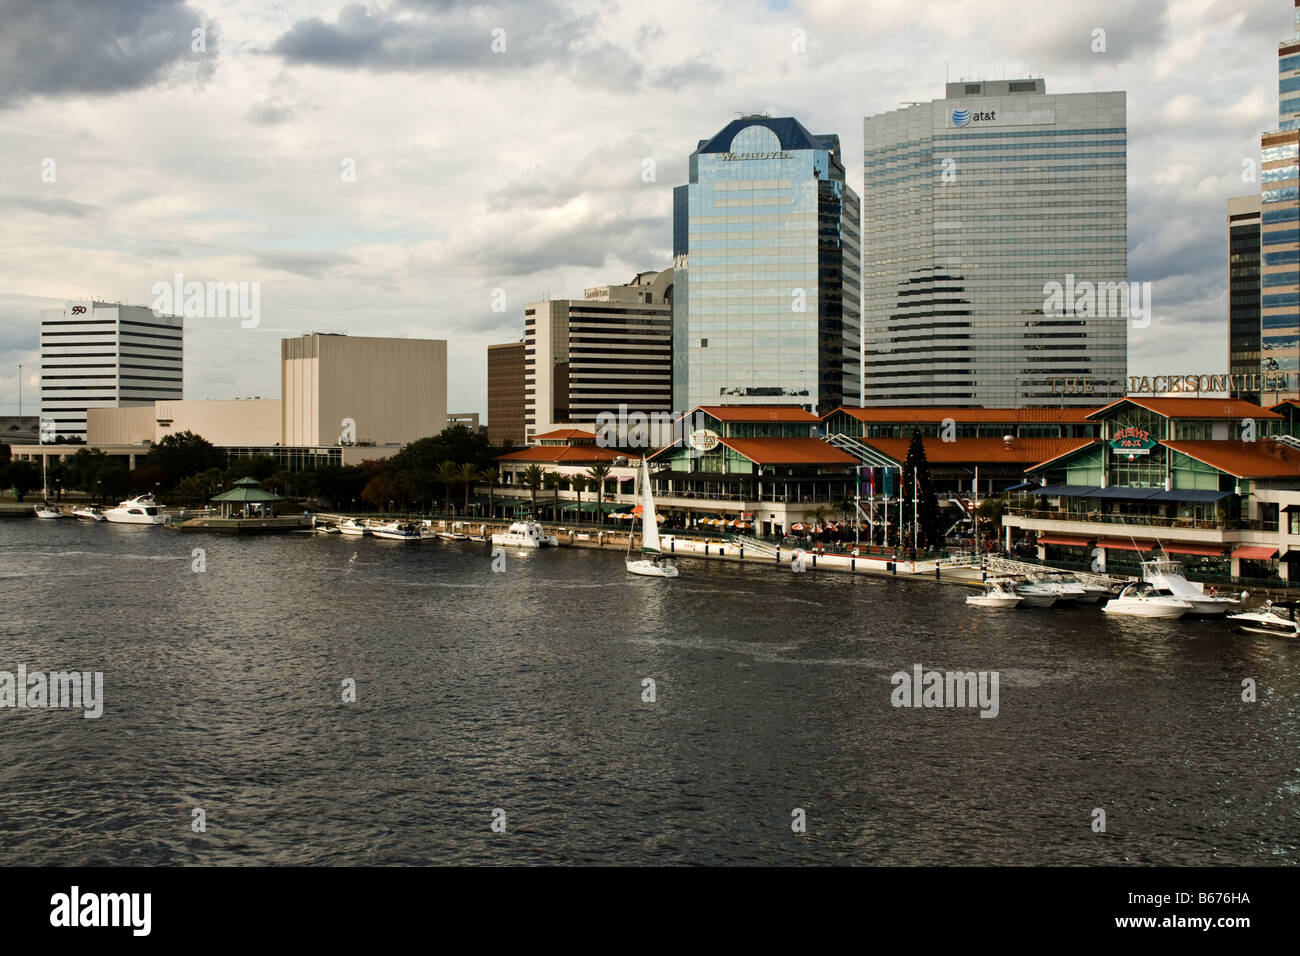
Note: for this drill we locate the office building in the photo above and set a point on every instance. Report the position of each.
(766, 238)
(505, 393)
(608, 353)
(105, 355)
(994, 248)
(1243, 294)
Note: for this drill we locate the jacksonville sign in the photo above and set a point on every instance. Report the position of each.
(1176, 384)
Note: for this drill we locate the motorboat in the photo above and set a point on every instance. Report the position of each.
(1062, 585)
(997, 593)
(525, 534)
(396, 531)
(89, 513)
(47, 510)
(1164, 573)
(652, 563)
(1036, 594)
(452, 536)
(353, 527)
(1275, 617)
(142, 509)
(1143, 599)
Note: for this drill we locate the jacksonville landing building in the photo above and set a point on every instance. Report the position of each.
(972, 206)
(767, 254)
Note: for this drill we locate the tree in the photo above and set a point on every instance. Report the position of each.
(555, 481)
(181, 455)
(929, 531)
(490, 475)
(22, 476)
(260, 467)
(378, 491)
(448, 476)
(531, 478)
(818, 517)
(598, 474)
(470, 475)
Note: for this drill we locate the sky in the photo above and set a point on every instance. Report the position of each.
(425, 168)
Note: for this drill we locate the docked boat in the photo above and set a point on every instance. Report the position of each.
(1163, 573)
(452, 536)
(89, 513)
(997, 593)
(1143, 599)
(652, 563)
(396, 531)
(47, 510)
(1275, 617)
(1036, 594)
(353, 527)
(525, 534)
(142, 509)
(1062, 586)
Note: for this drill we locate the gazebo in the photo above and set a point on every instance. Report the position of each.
(247, 494)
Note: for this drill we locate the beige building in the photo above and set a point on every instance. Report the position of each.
(343, 389)
(236, 422)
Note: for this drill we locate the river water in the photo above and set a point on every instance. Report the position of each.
(517, 697)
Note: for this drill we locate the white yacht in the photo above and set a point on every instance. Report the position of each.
(89, 512)
(142, 509)
(352, 526)
(652, 563)
(1143, 599)
(47, 510)
(1164, 573)
(998, 592)
(396, 531)
(1064, 587)
(1036, 594)
(526, 534)
(1275, 617)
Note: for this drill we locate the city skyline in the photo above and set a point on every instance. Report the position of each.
(231, 166)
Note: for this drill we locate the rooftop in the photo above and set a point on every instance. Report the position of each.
(1244, 459)
(758, 413)
(927, 414)
(1223, 408)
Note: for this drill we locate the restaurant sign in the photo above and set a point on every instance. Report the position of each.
(703, 439)
(1131, 440)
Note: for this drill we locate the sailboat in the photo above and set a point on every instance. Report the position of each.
(651, 563)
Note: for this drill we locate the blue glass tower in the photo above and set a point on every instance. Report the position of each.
(766, 241)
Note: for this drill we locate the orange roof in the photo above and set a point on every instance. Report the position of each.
(789, 451)
(1021, 451)
(758, 413)
(562, 454)
(1285, 401)
(566, 433)
(992, 416)
(1244, 459)
(1195, 407)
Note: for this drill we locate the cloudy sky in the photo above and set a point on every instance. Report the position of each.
(521, 168)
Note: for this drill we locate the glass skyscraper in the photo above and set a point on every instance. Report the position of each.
(1243, 296)
(973, 206)
(767, 249)
(1279, 203)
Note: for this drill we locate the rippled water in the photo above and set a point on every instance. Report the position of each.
(522, 691)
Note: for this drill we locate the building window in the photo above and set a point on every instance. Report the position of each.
(1268, 515)
(1293, 522)
(972, 88)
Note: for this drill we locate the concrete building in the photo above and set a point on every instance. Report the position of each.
(1244, 354)
(986, 215)
(468, 420)
(229, 423)
(505, 388)
(348, 390)
(766, 242)
(105, 355)
(609, 353)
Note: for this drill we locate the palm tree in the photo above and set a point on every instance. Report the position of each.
(598, 474)
(531, 478)
(553, 480)
(490, 476)
(448, 475)
(819, 515)
(470, 474)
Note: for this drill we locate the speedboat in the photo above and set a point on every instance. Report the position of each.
(1275, 617)
(1063, 587)
(352, 527)
(1036, 594)
(1164, 573)
(453, 536)
(1143, 599)
(997, 593)
(526, 534)
(47, 510)
(89, 512)
(142, 509)
(396, 531)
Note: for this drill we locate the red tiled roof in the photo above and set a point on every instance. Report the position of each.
(1196, 407)
(789, 451)
(1244, 459)
(758, 413)
(1021, 451)
(557, 454)
(566, 433)
(992, 416)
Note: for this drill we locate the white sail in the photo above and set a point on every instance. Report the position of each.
(649, 520)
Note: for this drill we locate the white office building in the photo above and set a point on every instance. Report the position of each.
(973, 207)
(105, 355)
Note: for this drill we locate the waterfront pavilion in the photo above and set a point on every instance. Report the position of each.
(246, 496)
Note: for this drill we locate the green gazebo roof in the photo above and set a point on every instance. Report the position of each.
(246, 489)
